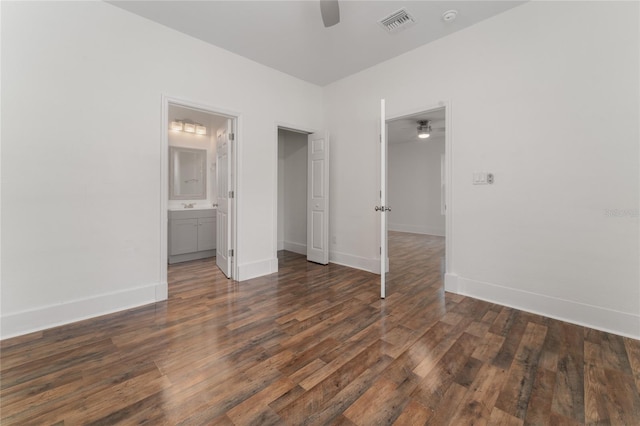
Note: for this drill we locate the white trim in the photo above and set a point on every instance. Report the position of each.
(428, 230)
(609, 320)
(357, 262)
(451, 283)
(257, 269)
(164, 178)
(236, 229)
(42, 318)
(448, 148)
(295, 247)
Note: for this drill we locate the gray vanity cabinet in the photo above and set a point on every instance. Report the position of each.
(192, 234)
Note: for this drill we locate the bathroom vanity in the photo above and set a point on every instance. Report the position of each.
(192, 234)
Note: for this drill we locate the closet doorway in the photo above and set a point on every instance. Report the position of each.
(302, 219)
(292, 192)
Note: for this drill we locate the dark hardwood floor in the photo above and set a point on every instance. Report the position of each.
(315, 345)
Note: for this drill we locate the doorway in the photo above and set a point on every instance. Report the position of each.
(415, 176)
(301, 219)
(292, 192)
(198, 183)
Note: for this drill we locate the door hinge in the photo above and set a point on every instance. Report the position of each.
(232, 136)
(231, 194)
(230, 252)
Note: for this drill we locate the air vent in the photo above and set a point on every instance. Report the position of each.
(397, 21)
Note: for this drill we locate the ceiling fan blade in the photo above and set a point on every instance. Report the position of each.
(330, 10)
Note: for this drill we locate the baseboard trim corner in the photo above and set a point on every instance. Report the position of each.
(451, 282)
(295, 247)
(257, 269)
(357, 262)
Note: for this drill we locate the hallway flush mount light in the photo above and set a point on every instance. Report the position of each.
(424, 129)
(188, 126)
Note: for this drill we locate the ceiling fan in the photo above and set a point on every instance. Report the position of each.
(330, 10)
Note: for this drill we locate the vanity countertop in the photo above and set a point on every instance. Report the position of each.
(179, 209)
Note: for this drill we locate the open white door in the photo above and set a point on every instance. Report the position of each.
(318, 198)
(225, 199)
(383, 208)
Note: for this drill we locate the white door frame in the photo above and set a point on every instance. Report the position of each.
(164, 182)
(448, 152)
(292, 128)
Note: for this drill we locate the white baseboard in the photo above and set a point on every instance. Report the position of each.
(400, 227)
(257, 269)
(295, 247)
(19, 323)
(357, 262)
(609, 320)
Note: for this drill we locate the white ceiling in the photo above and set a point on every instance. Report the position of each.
(289, 35)
(405, 129)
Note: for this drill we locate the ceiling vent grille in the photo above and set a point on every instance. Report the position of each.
(397, 21)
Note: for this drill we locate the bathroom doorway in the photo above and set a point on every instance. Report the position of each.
(198, 186)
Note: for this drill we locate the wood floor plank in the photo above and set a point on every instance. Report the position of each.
(499, 417)
(314, 344)
(568, 396)
(539, 407)
(478, 402)
(516, 392)
(632, 348)
(414, 413)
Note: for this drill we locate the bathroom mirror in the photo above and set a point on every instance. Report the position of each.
(187, 173)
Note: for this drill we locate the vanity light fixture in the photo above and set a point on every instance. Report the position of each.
(188, 126)
(424, 129)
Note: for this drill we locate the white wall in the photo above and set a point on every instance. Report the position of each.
(414, 190)
(545, 96)
(81, 183)
(292, 213)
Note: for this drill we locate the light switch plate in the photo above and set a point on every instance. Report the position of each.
(482, 178)
(479, 178)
